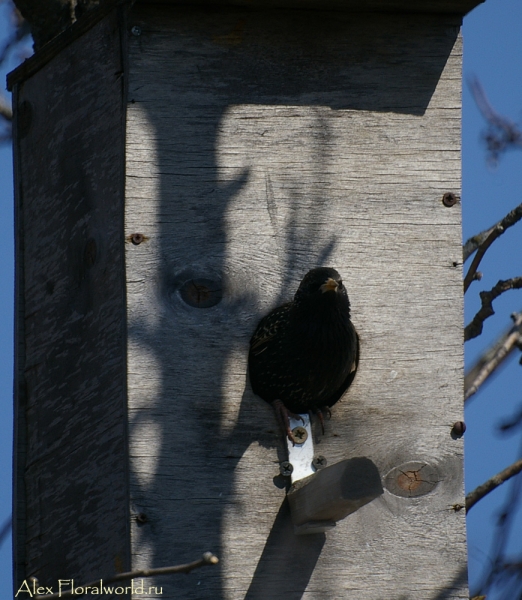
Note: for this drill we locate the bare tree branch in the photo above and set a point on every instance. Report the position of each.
(21, 30)
(488, 355)
(48, 18)
(494, 357)
(502, 133)
(5, 110)
(497, 576)
(483, 490)
(477, 240)
(5, 529)
(496, 232)
(512, 423)
(474, 328)
(512, 566)
(207, 559)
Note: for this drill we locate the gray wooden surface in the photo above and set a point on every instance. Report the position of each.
(71, 514)
(259, 145)
(419, 6)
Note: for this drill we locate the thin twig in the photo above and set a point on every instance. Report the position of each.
(496, 232)
(512, 423)
(477, 240)
(483, 490)
(489, 354)
(207, 559)
(492, 359)
(5, 529)
(21, 30)
(474, 329)
(502, 133)
(512, 566)
(5, 110)
(488, 112)
(505, 520)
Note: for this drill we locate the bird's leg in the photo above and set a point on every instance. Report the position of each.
(282, 414)
(321, 419)
(326, 410)
(321, 412)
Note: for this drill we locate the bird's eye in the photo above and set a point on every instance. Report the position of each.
(340, 283)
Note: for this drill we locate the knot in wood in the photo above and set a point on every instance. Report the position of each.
(409, 481)
(412, 479)
(201, 293)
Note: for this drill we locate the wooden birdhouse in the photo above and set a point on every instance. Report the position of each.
(179, 168)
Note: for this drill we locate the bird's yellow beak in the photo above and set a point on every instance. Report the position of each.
(330, 286)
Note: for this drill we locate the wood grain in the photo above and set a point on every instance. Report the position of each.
(454, 7)
(71, 481)
(259, 145)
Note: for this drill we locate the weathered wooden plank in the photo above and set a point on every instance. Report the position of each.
(90, 18)
(418, 6)
(71, 376)
(260, 145)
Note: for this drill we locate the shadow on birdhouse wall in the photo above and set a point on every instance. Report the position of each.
(179, 170)
(219, 135)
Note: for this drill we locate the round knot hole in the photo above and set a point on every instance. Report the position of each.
(201, 292)
(412, 479)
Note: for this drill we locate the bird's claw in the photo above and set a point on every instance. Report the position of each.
(283, 414)
(321, 412)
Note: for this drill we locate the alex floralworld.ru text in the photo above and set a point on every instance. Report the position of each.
(30, 589)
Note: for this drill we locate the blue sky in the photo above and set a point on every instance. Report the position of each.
(6, 338)
(492, 52)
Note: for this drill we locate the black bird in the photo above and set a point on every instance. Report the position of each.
(304, 354)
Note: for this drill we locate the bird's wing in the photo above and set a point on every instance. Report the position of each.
(268, 328)
(349, 379)
(355, 363)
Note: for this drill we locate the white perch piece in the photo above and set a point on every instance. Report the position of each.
(301, 455)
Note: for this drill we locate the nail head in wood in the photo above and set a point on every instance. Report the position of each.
(458, 429)
(319, 462)
(286, 468)
(137, 238)
(449, 199)
(300, 435)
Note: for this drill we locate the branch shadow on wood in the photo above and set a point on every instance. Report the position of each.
(457, 583)
(189, 438)
(287, 562)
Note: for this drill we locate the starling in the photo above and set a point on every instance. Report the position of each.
(304, 354)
